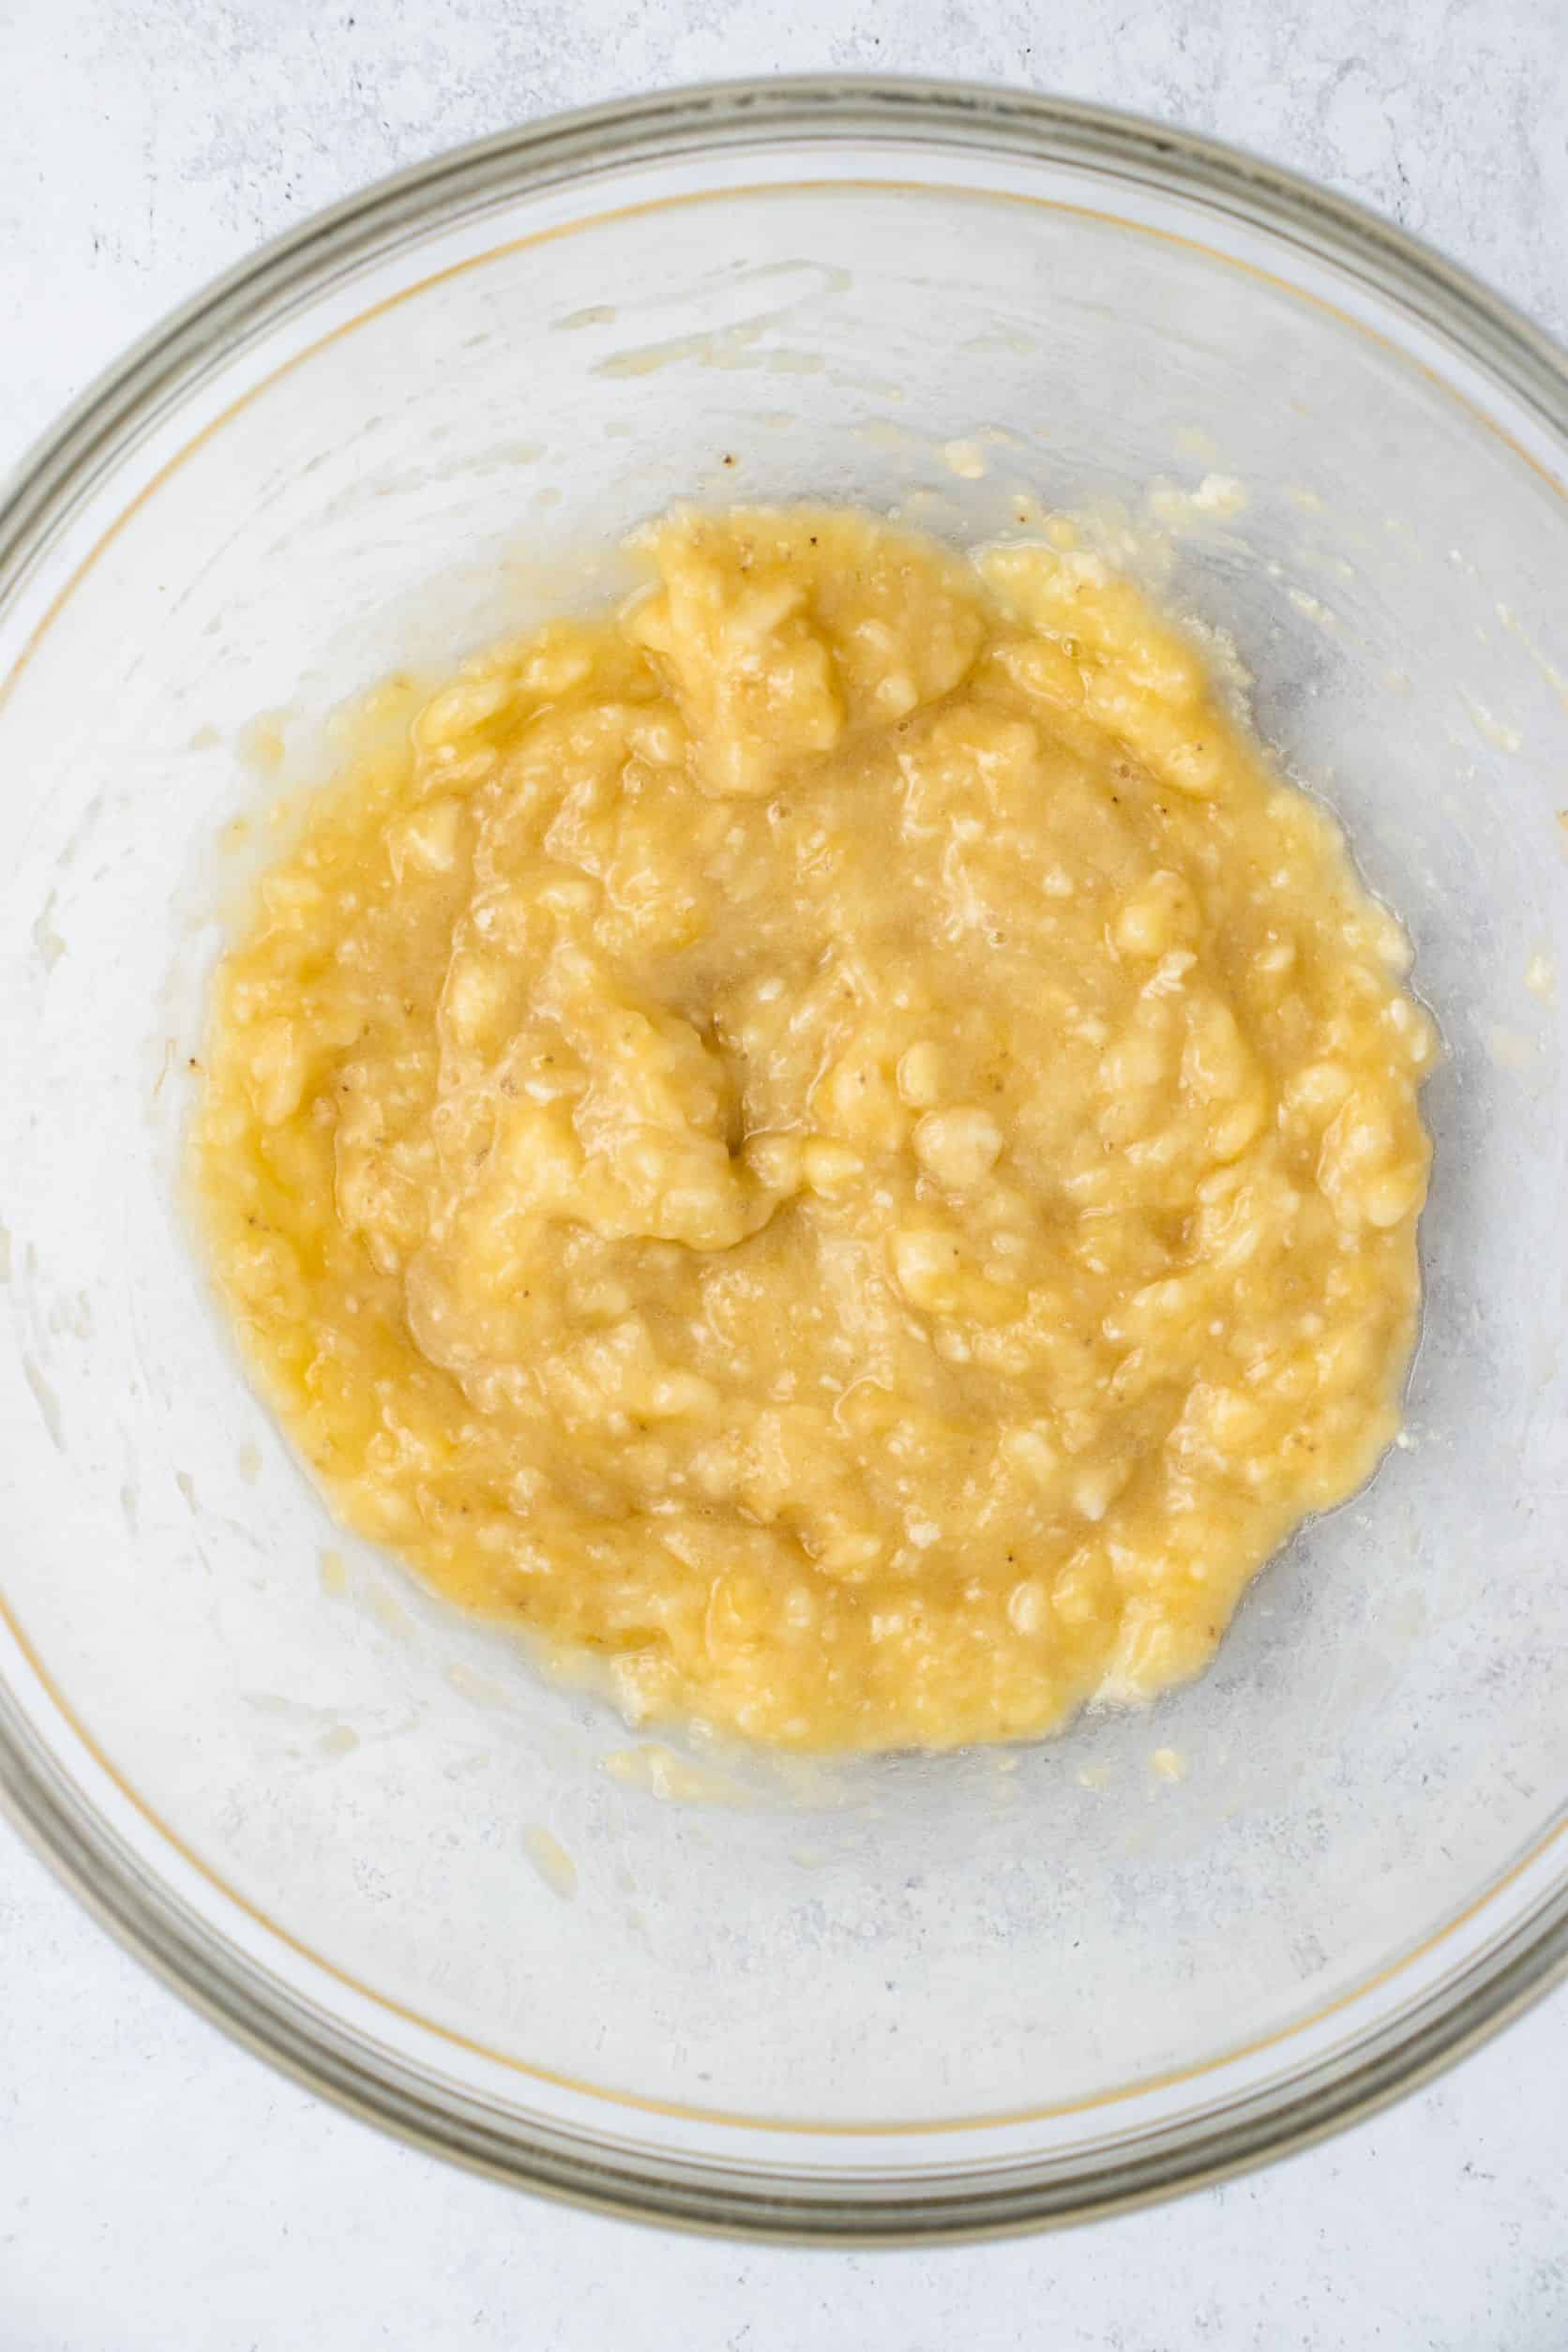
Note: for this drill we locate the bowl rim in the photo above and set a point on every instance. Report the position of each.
(72, 459)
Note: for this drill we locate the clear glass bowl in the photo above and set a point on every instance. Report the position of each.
(899, 1999)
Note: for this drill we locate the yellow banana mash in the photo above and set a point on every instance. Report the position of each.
(837, 1136)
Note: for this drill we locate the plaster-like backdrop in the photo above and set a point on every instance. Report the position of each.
(161, 2190)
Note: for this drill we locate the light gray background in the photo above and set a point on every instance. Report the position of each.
(158, 2188)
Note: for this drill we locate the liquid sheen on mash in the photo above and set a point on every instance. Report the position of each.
(837, 1138)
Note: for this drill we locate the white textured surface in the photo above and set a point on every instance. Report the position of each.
(158, 2188)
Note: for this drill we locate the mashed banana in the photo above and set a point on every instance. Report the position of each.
(836, 1136)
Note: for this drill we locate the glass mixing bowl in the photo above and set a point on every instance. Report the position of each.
(900, 1997)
